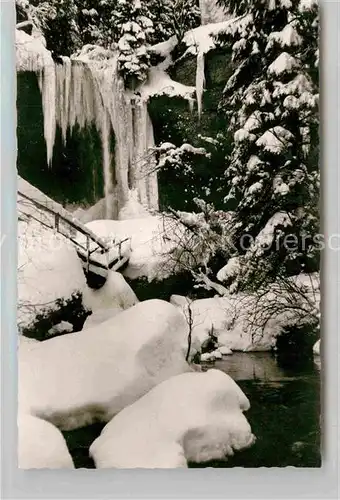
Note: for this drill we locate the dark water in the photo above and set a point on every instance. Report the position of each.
(284, 414)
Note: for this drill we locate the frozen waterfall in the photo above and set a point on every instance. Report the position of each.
(87, 89)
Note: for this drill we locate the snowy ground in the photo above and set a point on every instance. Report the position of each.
(239, 321)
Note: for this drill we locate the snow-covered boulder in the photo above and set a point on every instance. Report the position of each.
(192, 417)
(211, 356)
(91, 375)
(62, 327)
(225, 351)
(115, 293)
(41, 445)
(180, 301)
(100, 316)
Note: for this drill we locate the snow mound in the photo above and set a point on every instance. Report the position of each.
(48, 269)
(230, 270)
(91, 375)
(100, 316)
(180, 301)
(192, 417)
(227, 319)
(238, 320)
(98, 210)
(133, 209)
(211, 356)
(160, 83)
(41, 445)
(115, 293)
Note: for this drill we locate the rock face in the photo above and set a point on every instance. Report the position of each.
(41, 445)
(191, 417)
(90, 376)
(174, 122)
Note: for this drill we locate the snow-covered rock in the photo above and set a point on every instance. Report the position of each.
(100, 316)
(41, 445)
(88, 376)
(115, 294)
(206, 357)
(62, 327)
(230, 270)
(225, 351)
(191, 417)
(316, 348)
(180, 301)
(217, 354)
(211, 356)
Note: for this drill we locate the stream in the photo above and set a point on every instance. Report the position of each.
(284, 414)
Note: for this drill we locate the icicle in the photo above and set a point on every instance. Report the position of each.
(47, 84)
(191, 105)
(200, 81)
(63, 84)
(105, 135)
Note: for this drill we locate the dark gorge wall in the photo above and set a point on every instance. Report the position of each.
(174, 122)
(75, 175)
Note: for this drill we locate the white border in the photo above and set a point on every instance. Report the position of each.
(286, 483)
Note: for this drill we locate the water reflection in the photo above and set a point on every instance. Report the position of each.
(251, 366)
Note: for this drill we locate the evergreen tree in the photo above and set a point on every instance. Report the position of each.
(271, 101)
(135, 27)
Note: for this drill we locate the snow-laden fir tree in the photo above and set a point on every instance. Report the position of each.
(131, 19)
(271, 101)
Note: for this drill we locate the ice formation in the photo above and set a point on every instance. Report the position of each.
(87, 89)
(192, 417)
